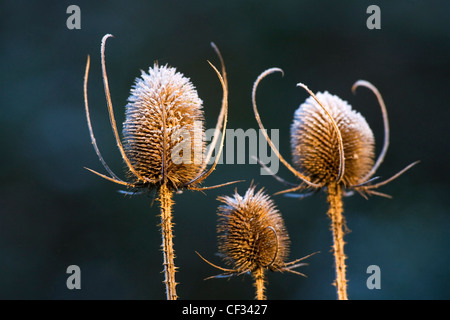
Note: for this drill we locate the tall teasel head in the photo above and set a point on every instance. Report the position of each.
(252, 236)
(164, 117)
(162, 144)
(163, 129)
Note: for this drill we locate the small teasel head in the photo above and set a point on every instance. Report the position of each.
(332, 143)
(251, 232)
(252, 235)
(163, 132)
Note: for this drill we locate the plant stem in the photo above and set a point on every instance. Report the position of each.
(166, 203)
(258, 274)
(335, 211)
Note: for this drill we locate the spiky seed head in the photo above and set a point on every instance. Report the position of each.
(314, 141)
(252, 233)
(164, 117)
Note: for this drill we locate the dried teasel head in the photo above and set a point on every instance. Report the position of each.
(332, 148)
(332, 143)
(163, 131)
(252, 234)
(162, 144)
(163, 118)
(315, 143)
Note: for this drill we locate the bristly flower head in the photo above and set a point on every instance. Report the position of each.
(252, 234)
(331, 143)
(163, 130)
(162, 145)
(251, 231)
(314, 141)
(333, 148)
(163, 107)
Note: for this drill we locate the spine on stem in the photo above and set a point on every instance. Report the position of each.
(166, 204)
(335, 211)
(260, 284)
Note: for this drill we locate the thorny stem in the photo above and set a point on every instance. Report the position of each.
(335, 211)
(166, 203)
(259, 277)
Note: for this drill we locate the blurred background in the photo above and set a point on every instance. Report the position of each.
(54, 213)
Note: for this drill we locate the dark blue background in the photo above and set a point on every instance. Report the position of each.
(54, 213)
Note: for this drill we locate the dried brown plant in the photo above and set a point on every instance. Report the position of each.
(163, 118)
(252, 238)
(333, 149)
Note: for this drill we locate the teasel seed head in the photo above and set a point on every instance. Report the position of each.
(252, 235)
(332, 148)
(314, 141)
(163, 121)
(163, 107)
(331, 143)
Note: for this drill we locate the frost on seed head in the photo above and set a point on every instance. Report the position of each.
(164, 116)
